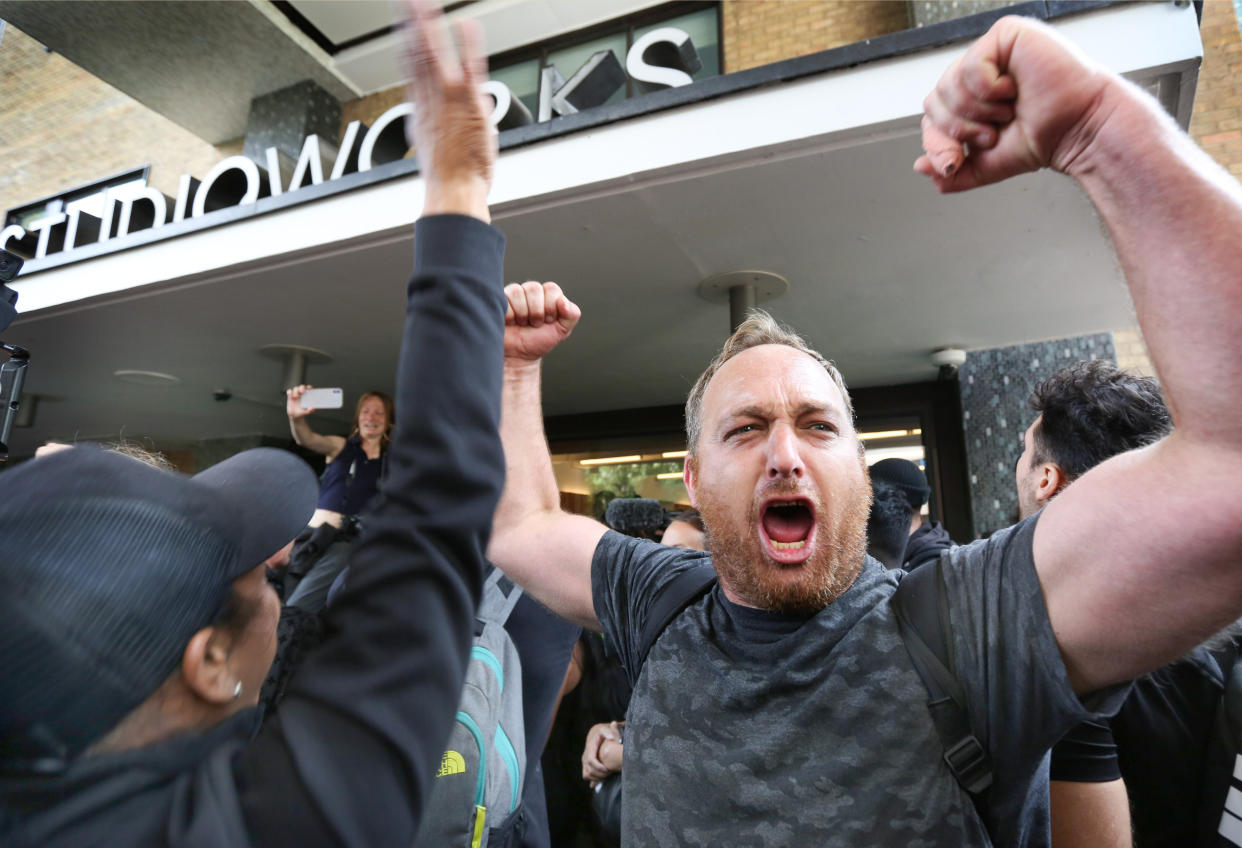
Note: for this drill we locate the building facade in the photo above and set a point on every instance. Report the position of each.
(653, 155)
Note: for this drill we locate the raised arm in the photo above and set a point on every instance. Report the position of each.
(329, 446)
(350, 756)
(1139, 559)
(546, 551)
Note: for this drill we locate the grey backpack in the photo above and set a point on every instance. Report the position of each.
(477, 791)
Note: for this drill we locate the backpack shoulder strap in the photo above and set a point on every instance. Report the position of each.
(679, 593)
(922, 610)
(500, 596)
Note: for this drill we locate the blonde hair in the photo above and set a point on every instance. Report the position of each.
(758, 329)
(153, 458)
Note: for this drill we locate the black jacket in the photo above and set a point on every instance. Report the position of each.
(349, 757)
(926, 545)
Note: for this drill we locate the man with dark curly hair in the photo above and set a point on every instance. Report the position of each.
(1088, 412)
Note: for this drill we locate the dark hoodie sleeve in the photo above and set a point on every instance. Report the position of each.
(926, 545)
(349, 758)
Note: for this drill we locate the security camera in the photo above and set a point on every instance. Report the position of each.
(221, 395)
(948, 359)
(954, 357)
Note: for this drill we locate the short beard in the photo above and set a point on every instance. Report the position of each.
(737, 554)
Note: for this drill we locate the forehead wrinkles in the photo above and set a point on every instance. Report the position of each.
(774, 378)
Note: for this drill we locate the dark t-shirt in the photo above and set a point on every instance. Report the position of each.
(350, 480)
(756, 728)
(1160, 742)
(1164, 734)
(1087, 754)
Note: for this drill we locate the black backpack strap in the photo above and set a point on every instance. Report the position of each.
(500, 596)
(679, 593)
(922, 611)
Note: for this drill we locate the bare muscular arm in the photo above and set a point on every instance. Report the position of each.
(546, 551)
(1138, 559)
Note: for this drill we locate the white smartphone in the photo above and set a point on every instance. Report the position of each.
(322, 399)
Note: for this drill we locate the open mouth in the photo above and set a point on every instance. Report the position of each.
(788, 528)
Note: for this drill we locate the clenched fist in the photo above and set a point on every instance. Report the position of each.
(539, 317)
(1021, 98)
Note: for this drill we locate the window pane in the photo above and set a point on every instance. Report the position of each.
(889, 438)
(588, 480)
(523, 81)
(703, 30)
(569, 60)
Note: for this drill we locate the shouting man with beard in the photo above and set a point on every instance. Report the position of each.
(781, 706)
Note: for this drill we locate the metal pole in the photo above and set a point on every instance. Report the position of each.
(742, 299)
(295, 369)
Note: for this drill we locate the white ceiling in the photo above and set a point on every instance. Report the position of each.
(343, 20)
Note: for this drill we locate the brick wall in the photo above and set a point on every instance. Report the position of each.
(367, 109)
(1216, 124)
(61, 127)
(759, 32)
(1132, 352)
(1217, 120)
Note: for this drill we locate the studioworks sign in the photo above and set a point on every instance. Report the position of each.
(663, 58)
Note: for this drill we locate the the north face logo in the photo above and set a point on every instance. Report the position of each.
(451, 763)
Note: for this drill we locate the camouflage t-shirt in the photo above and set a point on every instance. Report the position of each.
(753, 728)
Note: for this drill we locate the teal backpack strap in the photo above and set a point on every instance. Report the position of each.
(922, 610)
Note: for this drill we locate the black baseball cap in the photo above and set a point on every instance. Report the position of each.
(905, 475)
(107, 568)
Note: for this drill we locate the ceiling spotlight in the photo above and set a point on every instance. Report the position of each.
(145, 378)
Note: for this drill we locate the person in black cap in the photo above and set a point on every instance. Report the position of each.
(888, 524)
(136, 625)
(928, 539)
(137, 601)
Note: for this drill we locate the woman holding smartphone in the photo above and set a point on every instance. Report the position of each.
(349, 481)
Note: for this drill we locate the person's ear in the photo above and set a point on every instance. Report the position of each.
(688, 478)
(1051, 481)
(205, 665)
